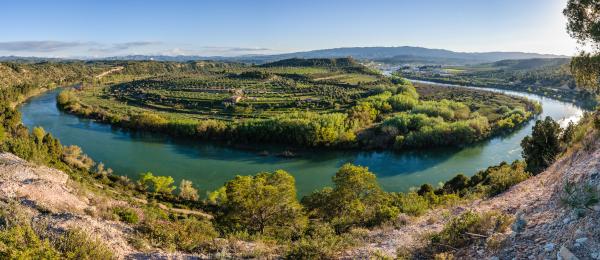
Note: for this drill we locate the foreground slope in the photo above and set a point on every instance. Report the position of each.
(48, 198)
(547, 224)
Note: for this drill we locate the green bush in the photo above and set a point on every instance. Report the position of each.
(21, 242)
(488, 182)
(579, 196)
(541, 148)
(265, 204)
(147, 121)
(355, 200)
(188, 234)
(187, 191)
(157, 184)
(468, 228)
(319, 242)
(501, 178)
(567, 134)
(411, 203)
(401, 102)
(127, 215)
(76, 244)
(457, 184)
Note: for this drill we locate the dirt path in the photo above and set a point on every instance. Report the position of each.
(115, 69)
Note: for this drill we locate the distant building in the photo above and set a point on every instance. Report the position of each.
(232, 100)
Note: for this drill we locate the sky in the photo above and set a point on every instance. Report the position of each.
(228, 27)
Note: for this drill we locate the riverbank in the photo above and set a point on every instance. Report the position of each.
(580, 98)
(209, 165)
(152, 232)
(545, 224)
(461, 123)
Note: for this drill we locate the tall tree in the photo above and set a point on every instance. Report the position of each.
(356, 200)
(583, 24)
(541, 148)
(266, 203)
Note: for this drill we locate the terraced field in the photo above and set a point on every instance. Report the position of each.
(314, 102)
(243, 91)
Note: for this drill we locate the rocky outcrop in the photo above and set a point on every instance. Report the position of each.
(40, 187)
(50, 199)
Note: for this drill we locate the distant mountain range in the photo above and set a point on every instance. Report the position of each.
(397, 55)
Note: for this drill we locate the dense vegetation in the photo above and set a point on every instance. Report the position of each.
(265, 208)
(316, 102)
(582, 25)
(546, 77)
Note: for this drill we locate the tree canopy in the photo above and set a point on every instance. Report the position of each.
(541, 148)
(583, 24)
(265, 203)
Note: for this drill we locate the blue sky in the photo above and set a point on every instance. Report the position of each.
(105, 28)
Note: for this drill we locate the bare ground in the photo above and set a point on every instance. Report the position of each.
(551, 228)
(49, 198)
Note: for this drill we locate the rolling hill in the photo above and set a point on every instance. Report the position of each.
(394, 55)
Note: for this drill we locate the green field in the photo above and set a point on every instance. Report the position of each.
(545, 77)
(314, 102)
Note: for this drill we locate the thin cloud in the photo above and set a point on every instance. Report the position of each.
(122, 46)
(235, 49)
(39, 46)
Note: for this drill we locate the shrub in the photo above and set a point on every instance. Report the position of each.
(303, 128)
(157, 184)
(497, 179)
(407, 88)
(425, 188)
(502, 178)
(147, 121)
(356, 200)
(21, 242)
(380, 101)
(188, 234)
(469, 227)
(567, 134)
(361, 115)
(434, 109)
(2, 134)
(411, 203)
(581, 196)
(38, 134)
(457, 184)
(127, 215)
(401, 102)
(319, 242)
(187, 191)
(211, 128)
(73, 156)
(76, 244)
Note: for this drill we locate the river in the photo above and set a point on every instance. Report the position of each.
(210, 165)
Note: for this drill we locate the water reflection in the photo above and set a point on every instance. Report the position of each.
(209, 165)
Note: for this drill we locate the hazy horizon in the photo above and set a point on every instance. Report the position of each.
(70, 29)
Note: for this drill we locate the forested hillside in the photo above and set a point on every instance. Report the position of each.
(154, 216)
(546, 77)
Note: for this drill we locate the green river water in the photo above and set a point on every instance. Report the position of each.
(209, 165)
